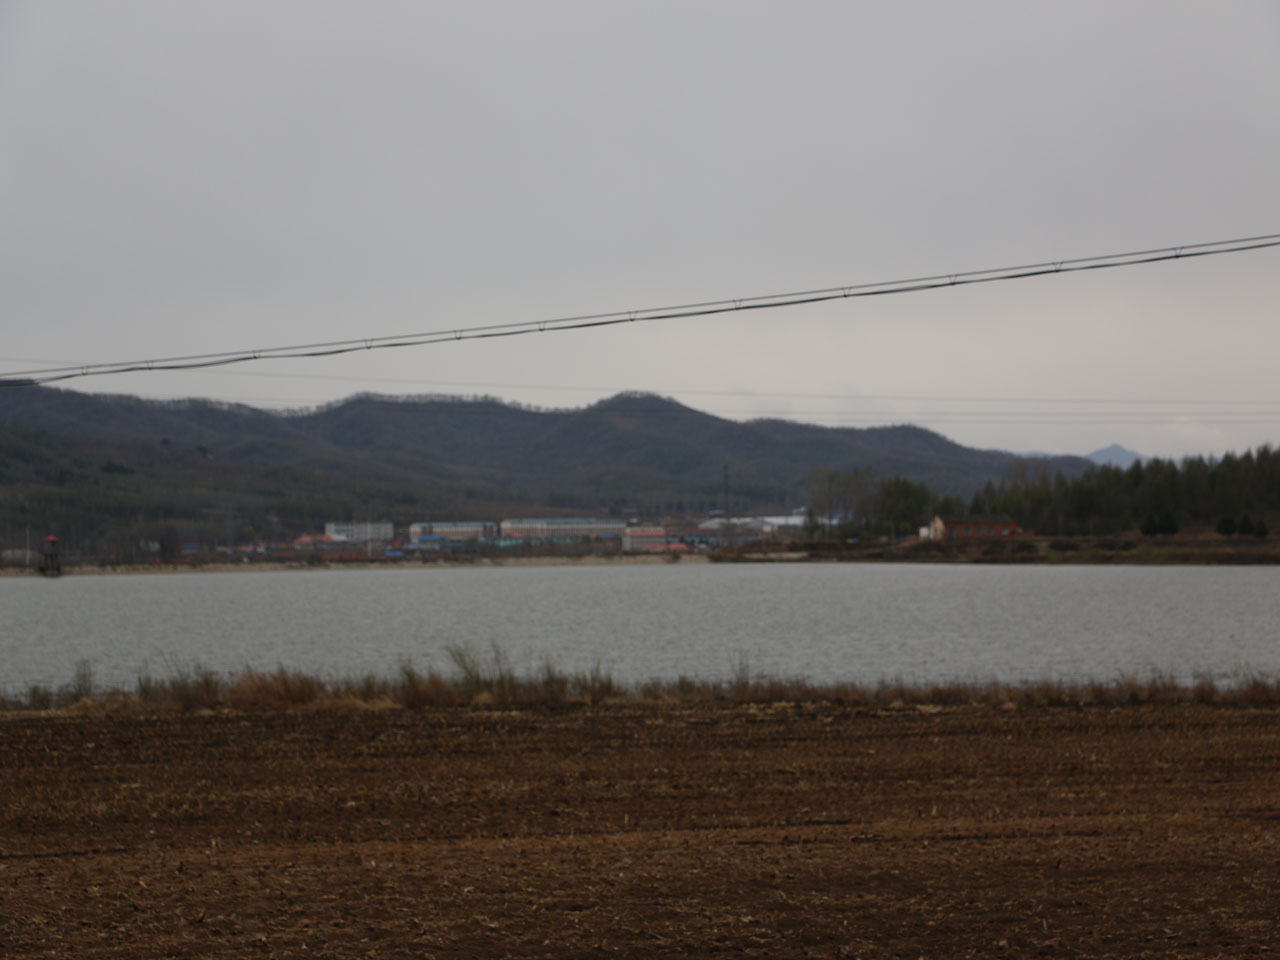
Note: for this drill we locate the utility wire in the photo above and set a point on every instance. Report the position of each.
(433, 388)
(589, 321)
(698, 391)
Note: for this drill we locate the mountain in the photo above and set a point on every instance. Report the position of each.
(1116, 456)
(108, 460)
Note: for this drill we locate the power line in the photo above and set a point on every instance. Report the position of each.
(703, 392)
(681, 311)
(859, 398)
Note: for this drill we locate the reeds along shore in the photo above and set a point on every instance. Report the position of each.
(475, 684)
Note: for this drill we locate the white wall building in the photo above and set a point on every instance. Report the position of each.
(453, 530)
(543, 528)
(648, 539)
(360, 532)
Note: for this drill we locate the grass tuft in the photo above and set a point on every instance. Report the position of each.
(39, 697)
(274, 691)
(187, 690)
(418, 691)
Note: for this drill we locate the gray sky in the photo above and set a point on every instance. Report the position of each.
(179, 178)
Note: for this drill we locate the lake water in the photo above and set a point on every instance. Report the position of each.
(825, 622)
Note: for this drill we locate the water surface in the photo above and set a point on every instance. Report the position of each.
(822, 622)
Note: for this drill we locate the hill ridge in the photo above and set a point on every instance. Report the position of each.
(407, 457)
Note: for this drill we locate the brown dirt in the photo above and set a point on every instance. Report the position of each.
(640, 830)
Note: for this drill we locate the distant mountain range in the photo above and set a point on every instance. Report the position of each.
(434, 457)
(1116, 456)
(1112, 456)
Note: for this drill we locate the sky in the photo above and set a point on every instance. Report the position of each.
(185, 178)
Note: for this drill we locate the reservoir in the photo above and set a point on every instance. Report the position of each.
(821, 622)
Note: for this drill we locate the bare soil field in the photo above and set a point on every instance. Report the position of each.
(645, 830)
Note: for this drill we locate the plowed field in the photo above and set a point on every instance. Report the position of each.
(639, 830)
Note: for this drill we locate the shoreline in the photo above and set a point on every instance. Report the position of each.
(1193, 550)
(255, 566)
(1185, 550)
(1046, 552)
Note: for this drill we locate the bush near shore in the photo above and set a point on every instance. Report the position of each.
(479, 684)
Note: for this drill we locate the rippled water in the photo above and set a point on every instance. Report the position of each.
(863, 622)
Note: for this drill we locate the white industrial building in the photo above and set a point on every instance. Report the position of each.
(454, 530)
(360, 532)
(555, 528)
(644, 539)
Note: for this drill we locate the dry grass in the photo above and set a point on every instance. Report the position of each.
(416, 691)
(485, 683)
(274, 691)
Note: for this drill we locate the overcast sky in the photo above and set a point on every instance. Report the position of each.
(179, 178)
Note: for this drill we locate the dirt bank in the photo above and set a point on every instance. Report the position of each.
(1191, 549)
(643, 830)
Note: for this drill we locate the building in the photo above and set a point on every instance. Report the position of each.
(562, 529)
(646, 539)
(360, 532)
(972, 528)
(458, 531)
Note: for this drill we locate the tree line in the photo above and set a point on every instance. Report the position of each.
(1234, 494)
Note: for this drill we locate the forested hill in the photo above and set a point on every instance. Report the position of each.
(436, 456)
